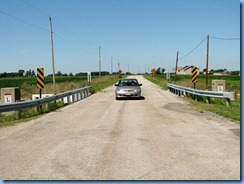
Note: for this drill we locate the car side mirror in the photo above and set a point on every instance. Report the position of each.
(116, 84)
(140, 84)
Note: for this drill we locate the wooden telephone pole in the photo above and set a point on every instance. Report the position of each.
(51, 36)
(111, 65)
(207, 62)
(176, 64)
(99, 61)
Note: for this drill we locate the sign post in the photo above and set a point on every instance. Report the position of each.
(40, 80)
(194, 75)
(153, 72)
(168, 76)
(120, 72)
(89, 78)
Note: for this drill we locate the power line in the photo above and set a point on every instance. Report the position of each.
(61, 25)
(23, 21)
(224, 38)
(71, 43)
(65, 28)
(217, 38)
(43, 12)
(193, 49)
(43, 29)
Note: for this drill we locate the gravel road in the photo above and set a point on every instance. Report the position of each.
(160, 137)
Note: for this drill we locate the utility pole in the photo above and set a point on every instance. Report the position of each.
(207, 62)
(176, 65)
(111, 65)
(118, 66)
(128, 67)
(99, 61)
(51, 33)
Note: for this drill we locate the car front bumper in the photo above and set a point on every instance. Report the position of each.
(127, 94)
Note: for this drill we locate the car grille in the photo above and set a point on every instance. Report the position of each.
(128, 90)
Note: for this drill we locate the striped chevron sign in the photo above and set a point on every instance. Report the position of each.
(194, 74)
(40, 78)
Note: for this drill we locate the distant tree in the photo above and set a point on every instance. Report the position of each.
(33, 73)
(81, 74)
(58, 73)
(27, 74)
(3, 75)
(211, 71)
(21, 73)
(235, 72)
(158, 71)
(71, 74)
(220, 70)
(163, 70)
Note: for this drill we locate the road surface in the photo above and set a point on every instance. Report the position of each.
(99, 138)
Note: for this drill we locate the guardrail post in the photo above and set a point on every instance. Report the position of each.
(227, 102)
(208, 100)
(68, 99)
(73, 98)
(18, 114)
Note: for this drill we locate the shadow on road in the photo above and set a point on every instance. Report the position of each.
(131, 98)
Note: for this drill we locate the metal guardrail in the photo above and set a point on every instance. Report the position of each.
(180, 90)
(76, 95)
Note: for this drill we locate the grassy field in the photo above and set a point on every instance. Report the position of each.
(217, 106)
(19, 81)
(232, 82)
(28, 84)
(27, 89)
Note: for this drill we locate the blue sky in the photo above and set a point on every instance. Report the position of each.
(139, 34)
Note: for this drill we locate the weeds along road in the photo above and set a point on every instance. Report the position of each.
(99, 138)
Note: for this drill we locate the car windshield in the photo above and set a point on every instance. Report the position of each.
(128, 82)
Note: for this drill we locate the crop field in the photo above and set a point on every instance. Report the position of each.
(28, 84)
(27, 89)
(19, 81)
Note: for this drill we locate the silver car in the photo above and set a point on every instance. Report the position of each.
(128, 88)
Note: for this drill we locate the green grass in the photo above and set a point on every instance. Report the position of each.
(103, 82)
(232, 82)
(157, 79)
(217, 106)
(19, 81)
(28, 114)
(98, 84)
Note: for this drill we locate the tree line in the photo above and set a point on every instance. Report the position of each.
(20, 73)
(31, 73)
